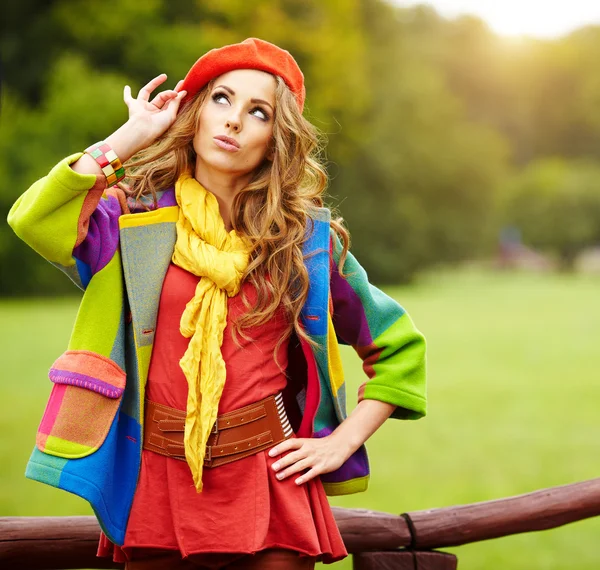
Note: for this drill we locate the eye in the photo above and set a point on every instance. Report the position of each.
(218, 96)
(221, 98)
(261, 114)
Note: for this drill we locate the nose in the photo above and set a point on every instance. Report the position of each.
(234, 123)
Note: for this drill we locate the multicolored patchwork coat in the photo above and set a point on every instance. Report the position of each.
(89, 439)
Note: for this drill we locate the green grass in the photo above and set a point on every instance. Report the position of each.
(513, 407)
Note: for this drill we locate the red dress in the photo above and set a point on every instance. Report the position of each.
(243, 507)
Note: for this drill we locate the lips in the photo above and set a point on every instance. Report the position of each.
(227, 143)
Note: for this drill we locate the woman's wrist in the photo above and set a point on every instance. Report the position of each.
(344, 443)
(128, 140)
(364, 420)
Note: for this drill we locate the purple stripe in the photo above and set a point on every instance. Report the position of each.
(356, 466)
(84, 381)
(349, 318)
(145, 203)
(102, 239)
(167, 198)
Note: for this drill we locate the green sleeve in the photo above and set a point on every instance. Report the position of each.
(392, 349)
(52, 215)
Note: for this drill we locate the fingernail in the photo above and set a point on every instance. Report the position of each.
(276, 466)
(279, 475)
(298, 481)
(273, 452)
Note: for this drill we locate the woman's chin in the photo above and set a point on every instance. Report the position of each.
(226, 164)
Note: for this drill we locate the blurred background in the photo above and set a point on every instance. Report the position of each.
(464, 155)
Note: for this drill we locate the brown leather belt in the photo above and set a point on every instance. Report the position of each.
(235, 435)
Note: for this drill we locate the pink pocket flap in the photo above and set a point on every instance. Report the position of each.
(89, 370)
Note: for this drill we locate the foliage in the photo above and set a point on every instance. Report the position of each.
(33, 140)
(426, 178)
(556, 205)
(424, 116)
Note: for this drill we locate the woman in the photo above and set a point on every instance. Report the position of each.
(200, 406)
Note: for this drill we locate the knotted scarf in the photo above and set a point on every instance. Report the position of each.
(205, 248)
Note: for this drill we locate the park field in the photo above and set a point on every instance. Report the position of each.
(514, 392)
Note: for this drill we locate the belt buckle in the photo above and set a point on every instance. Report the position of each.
(208, 456)
(215, 428)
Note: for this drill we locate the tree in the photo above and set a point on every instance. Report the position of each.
(556, 205)
(424, 187)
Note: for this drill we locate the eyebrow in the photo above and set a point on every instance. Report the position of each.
(251, 100)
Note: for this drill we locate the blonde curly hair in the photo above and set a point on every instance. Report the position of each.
(272, 211)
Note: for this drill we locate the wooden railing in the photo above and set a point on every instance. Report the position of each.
(376, 540)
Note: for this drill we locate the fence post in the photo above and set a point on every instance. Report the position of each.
(404, 560)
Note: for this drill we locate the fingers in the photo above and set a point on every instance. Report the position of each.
(173, 104)
(145, 91)
(292, 443)
(298, 466)
(163, 97)
(315, 456)
(162, 100)
(127, 95)
(310, 474)
(289, 459)
(294, 461)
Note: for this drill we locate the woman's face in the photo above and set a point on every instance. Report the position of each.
(236, 122)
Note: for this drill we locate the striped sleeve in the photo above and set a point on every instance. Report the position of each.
(383, 335)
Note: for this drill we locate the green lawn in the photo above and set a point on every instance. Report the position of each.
(513, 392)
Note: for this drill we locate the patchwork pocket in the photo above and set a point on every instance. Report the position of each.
(85, 398)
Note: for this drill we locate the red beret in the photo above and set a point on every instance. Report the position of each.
(249, 54)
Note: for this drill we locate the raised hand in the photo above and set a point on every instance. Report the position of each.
(153, 117)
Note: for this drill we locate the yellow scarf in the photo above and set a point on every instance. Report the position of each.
(205, 248)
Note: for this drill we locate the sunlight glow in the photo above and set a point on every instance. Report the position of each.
(543, 19)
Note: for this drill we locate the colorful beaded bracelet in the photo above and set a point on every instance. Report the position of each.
(108, 160)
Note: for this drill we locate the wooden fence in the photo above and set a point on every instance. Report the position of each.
(376, 540)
